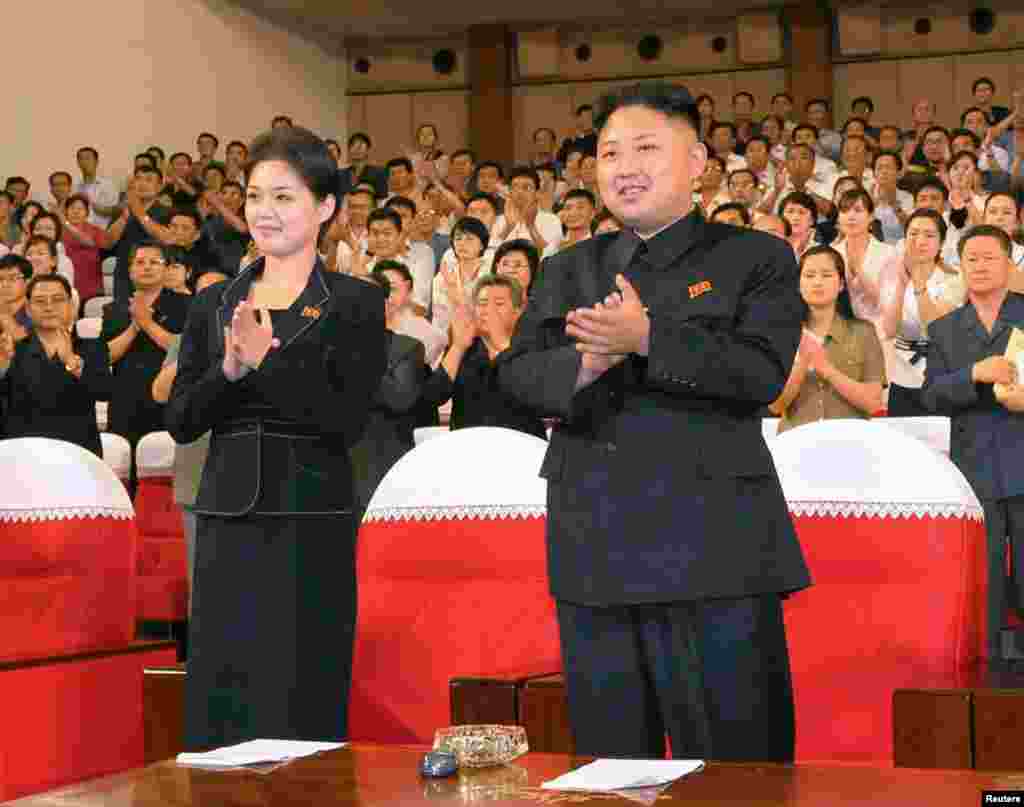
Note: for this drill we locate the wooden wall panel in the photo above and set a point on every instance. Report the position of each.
(549, 106)
(448, 111)
(933, 79)
(356, 117)
(389, 124)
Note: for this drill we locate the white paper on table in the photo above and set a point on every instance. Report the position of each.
(255, 752)
(621, 774)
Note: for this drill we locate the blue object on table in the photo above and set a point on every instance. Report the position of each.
(438, 764)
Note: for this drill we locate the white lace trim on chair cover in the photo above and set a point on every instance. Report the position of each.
(457, 512)
(62, 513)
(886, 509)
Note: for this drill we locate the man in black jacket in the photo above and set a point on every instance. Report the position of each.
(669, 541)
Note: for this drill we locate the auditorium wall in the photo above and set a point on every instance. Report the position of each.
(124, 75)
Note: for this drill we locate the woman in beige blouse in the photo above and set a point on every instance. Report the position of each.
(839, 370)
(862, 253)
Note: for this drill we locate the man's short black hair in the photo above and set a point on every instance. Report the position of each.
(51, 278)
(722, 124)
(463, 153)
(863, 100)
(56, 174)
(525, 171)
(986, 231)
(398, 162)
(580, 193)
(385, 214)
(823, 101)
(523, 245)
(90, 149)
(801, 199)
(935, 128)
(18, 181)
(189, 213)
(356, 137)
(894, 155)
(281, 119)
(744, 94)
(935, 184)
(402, 201)
(211, 135)
(982, 80)
(516, 292)
(785, 95)
(672, 100)
(583, 108)
(800, 127)
(554, 137)
(491, 164)
(19, 262)
(391, 265)
(147, 157)
(237, 144)
(178, 154)
(729, 206)
(147, 244)
(955, 133)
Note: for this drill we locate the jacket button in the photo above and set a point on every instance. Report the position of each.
(611, 448)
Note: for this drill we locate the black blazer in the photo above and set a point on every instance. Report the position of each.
(660, 485)
(986, 440)
(45, 400)
(281, 434)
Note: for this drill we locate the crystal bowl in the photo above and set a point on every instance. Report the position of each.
(477, 746)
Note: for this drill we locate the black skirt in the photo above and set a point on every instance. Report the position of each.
(272, 629)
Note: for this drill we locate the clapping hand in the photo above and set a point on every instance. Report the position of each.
(464, 327)
(994, 370)
(140, 310)
(812, 352)
(618, 326)
(248, 339)
(6, 349)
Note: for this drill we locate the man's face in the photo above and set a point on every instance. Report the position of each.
(60, 187)
(461, 166)
(577, 213)
(481, 210)
(936, 147)
(176, 277)
(383, 239)
(922, 112)
(400, 293)
(184, 231)
(487, 179)
(43, 261)
(886, 172)
(466, 246)
(743, 188)
(889, 139)
(799, 164)
(45, 226)
(87, 162)
(148, 269)
(985, 266)
(399, 178)
(406, 215)
(854, 128)
(799, 218)
(523, 192)
(805, 136)
(588, 170)
(782, 107)
(12, 286)
(646, 166)
(722, 141)
(757, 155)
(817, 116)
(517, 266)
(19, 191)
(930, 198)
(181, 166)
(495, 314)
(743, 108)
(1001, 212)
(983, 93)
(711, 179)
(854, 155)
(359, 207)
(358, 150)
(48, 305)
(236, 155)
(207, 147)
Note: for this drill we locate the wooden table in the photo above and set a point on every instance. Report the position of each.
(387, 775)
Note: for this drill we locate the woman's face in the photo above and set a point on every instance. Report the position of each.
(77, 213)
(706, 108)
(42, 260)
(45, 227)
(711, 179)
(820, 281)
(1001, 212)
(467, 246)
(961, 173)
(855, 219)
(842, 186)
(28, 216)
(517, 266)
(923, 243)
(176, 276)
(799, 218)
(426, 137)
(283, 215)
(588, 170)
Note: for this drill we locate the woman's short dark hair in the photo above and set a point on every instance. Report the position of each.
(398, 162)
(863, 99)
(304, 152)
(51, 278)
(48, 216)
(854, 195)
(472, 226)
(14, 261)
(892, 154)
(964, 155)
(844, 305)
(188, 213)
(800, 199)
(402, 201)
(525, 247)
(79, 197)
(390, 265)
(51, 245)
(935, 218)
(672, 100)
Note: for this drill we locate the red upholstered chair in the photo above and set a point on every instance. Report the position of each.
(895, 541)
(162, 581)
(67, 573)
(452, 580)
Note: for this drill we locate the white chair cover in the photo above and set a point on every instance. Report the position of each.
(424, 433)
(50, 479)
(108, 266)
(117, 453)
(108, 285)
(101, 415)
(154, 455)
(94, 307)
(933, 431)
(89, 327)
(447, 476)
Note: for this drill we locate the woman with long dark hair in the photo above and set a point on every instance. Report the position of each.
(281, 364)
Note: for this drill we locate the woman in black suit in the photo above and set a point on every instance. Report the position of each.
(282, 364)
(51, 380)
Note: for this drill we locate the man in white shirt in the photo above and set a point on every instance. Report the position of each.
(757, 157)
(102, 192)
(829, 141)
(893, 205)
(523, 218)
(855, 164)
(400, 313)
(385, 241)
(825, 169)
(350, 227)
(798, 176)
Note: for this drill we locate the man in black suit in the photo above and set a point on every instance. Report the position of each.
(669, 541)
(966, 362)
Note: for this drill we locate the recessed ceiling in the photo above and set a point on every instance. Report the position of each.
(331, 22)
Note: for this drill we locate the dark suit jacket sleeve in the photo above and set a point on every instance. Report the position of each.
(438, 388)
(114, 324)
(95, 380)
(201, 395)
(947, 389)
(748, 360)
(400, 387)
(336, 401)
